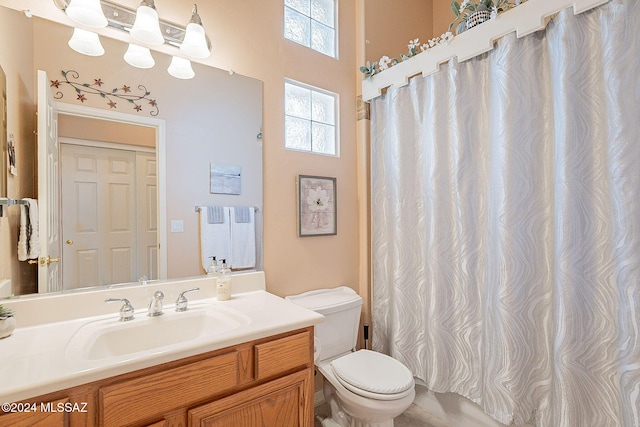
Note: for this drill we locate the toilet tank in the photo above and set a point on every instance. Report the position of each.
(341, 306)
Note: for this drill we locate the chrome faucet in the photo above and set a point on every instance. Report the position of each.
(155, 305)
(126, 312)
(181, 302)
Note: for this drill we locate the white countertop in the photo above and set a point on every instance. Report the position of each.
(34, 360)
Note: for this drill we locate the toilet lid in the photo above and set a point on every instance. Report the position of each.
(369, 371)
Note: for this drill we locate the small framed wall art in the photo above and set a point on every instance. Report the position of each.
(317, 206)
(225, 179)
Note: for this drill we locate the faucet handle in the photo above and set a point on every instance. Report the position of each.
(155, 305)
(126, 312)
(181, 302)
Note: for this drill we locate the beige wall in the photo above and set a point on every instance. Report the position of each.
(442, 16)
(390, 24)
(101, 130)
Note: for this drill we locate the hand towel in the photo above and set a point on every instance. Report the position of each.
(243, 237)
(23, 240)
(215, 214)
(33, 230)
(215, 238)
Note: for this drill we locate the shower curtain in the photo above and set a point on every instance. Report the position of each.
(506, 224)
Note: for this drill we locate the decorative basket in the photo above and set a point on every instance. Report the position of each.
(478, 17)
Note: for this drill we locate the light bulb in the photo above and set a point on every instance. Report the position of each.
(195, 40)
(139, 56)
(86, 42)
(87, 12)
(180, 68)
(146, 28)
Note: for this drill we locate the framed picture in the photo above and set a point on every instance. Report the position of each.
(224, 179)
(317, 206)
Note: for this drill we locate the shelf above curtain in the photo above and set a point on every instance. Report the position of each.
(525, 19)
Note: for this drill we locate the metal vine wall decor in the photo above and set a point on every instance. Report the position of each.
(123, 93)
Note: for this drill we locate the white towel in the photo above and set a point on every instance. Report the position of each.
(243, 237)
(33, 232)
(215, 239)
(23, 240)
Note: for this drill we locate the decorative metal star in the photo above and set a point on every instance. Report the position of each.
(137, 107)
(112, 104)
(126, 89)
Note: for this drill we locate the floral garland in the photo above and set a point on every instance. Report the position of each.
(462, 12)
(414, 46)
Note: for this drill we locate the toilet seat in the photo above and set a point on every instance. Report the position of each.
(374, 375)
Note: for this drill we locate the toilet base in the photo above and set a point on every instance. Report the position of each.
(349, 410)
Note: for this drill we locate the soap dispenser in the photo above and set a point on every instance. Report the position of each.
(213, 267)
(223, 289)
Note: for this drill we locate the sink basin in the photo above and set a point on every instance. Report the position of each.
(110, 338)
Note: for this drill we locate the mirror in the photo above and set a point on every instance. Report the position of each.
(4, 146)
(215, 118)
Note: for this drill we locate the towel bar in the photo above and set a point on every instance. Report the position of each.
(255, 208)
(6, 201)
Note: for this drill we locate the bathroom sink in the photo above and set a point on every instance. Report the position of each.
(110, 338)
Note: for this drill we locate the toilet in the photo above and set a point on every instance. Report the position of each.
(363, 388)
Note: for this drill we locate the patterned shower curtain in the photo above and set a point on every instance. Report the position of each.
(506, 224)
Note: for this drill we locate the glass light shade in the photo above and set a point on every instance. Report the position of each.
(195, 42)
(146, 28)
(87, 12)
(86, 42)
(138, 56)
(180, 68)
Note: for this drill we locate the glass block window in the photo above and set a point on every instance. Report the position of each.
(310, 116)
(311, 23)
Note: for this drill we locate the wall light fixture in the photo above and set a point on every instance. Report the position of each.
(144, 27)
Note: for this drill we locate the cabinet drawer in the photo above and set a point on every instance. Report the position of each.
(152, 395)
(278, 356)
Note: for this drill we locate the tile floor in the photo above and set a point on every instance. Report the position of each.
(412, 417)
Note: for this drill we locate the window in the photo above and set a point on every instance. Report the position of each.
(310, 119)
(311, 23)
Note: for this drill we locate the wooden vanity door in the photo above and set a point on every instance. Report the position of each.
(277, 403)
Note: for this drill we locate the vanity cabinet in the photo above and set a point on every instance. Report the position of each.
(266, 382)
(34, 416)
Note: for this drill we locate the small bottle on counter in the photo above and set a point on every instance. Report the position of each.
(213, 267)
(223, 289)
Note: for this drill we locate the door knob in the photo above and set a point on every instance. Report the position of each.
(44, 261)
(69, 242)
